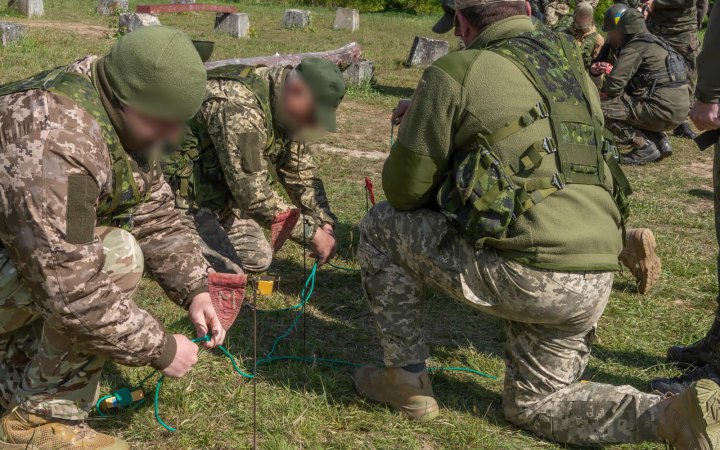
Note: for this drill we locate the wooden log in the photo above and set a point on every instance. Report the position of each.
(180, 8)
(343, 57)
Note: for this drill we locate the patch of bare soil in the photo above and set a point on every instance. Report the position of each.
(362, 127)
(70, 27)
(351, 153)
(701, 169)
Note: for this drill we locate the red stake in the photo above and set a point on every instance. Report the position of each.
(370, 191)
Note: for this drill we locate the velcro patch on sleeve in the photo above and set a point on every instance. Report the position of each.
(80, 217)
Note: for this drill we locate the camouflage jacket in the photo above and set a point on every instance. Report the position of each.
(234, 131)
(46, 142)
(669, 17)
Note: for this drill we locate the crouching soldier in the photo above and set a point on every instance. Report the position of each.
(247, 132)
(503, 194)
(84, 210)
(645, 94)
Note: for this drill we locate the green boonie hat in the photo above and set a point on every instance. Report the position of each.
(447, 21)
(462, 4)
(327, 86)
(632, 22)
(158, 72)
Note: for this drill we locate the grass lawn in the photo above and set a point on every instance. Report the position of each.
(308, 406)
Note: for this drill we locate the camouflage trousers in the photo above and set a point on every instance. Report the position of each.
(688, 45)
(554, 11)
(632, 119)
(41, 370)
(550, 316)
(232, 242)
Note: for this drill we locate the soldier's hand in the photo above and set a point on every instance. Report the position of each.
(323, 244)
(600, 68)
(400, 110)
(205, 318)
(705, 115)
(185, 357)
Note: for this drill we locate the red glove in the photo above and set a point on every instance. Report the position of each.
(282, 226)
(227, 292)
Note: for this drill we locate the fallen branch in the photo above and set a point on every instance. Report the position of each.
(343, 57)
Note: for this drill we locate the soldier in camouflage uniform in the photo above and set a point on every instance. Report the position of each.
(246, 133)
(645, 94)
(84, 211)
(583, 30)
(557, 13)
(676, 21)
(480, 207)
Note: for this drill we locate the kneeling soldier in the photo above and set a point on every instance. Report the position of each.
(84, 210)
(248, 131)
(503, 194)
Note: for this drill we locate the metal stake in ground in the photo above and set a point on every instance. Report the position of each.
(255, 365)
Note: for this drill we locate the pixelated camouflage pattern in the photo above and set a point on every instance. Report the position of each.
(238, 156)
(45, 138)
(550, 317)
(43, 370)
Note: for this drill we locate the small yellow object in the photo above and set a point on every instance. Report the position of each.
(266, 285)
(111, 403)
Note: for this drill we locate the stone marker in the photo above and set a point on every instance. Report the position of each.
(347, 19)
(236, 24)
(425, 51)
(132, 21)
(359, 72)
(296, 19)
(28, 8)
(111, 7)
(11, 33)
(184, 2)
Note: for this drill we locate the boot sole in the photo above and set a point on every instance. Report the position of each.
(650, 264)
(427, 413)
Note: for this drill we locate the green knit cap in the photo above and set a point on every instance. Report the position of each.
(157, 71)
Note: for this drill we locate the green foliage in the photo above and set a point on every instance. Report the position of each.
(602, 6)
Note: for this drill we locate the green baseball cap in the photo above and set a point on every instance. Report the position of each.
(327, 86)
(447, 21)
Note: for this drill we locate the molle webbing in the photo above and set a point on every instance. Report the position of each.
(115, 209)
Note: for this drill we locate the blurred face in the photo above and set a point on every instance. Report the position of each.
(584, 19)
(615, 37)
(298, 105)
(149, 131)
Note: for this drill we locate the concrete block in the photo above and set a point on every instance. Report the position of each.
(28, 8)
(11, 33)
(425, 51)
(111, 7)
(296, 19)
(132, 21)
(347, 19)
(237, 24)
(359, 72)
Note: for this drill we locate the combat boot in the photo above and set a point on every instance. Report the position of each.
(410, 393)
(639, 256)
(684, 131)
(642, 155)
(19, 429)
(679, 384)
(698, 353)
(691, 419)
(662, 142)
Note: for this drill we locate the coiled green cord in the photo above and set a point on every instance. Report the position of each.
(124, 400)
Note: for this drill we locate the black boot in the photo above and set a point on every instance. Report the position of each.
(646, 154)
(698, 353)
(684, 131)
(679, 384)
(662, 142)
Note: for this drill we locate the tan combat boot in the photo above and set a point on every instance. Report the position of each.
(639, 256)
(19, 429)
(691, 419)
(410, 393)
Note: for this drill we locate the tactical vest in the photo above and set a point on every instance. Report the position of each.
(676, 73)
(479, 195)
(586, 48)
(195, 171)
(116, 208)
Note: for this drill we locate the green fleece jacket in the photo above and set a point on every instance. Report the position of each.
(708, 87)
(575, 229)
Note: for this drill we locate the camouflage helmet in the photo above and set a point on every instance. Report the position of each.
(632, 22)
(613, 15)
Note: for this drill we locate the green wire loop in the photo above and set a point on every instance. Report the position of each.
(305, 294)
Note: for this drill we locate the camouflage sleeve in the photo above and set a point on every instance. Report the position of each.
(62, 265)
(298, 175)
(173, 255)
(237, 129)
(622, 72)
